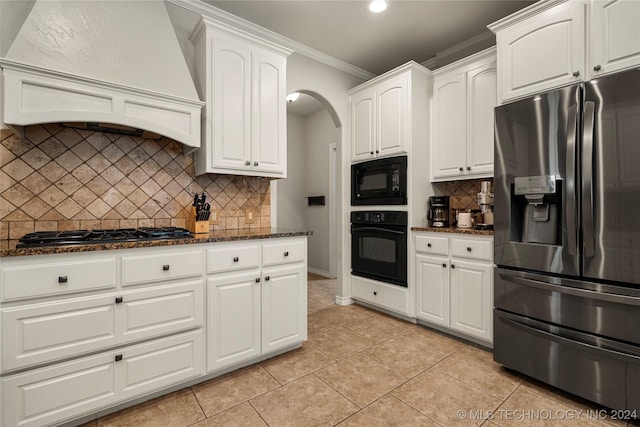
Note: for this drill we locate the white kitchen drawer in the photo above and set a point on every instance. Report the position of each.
(284, 252)
(57, 277)
(233, 257)
(472, 249)
(381, 294)
(432, 245)
(141, 269)
(60, 392)
(41, 333)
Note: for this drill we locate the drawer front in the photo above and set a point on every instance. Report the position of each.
(472, 249)
(386, 296)
(167, 266)
(432, 245)
(284, 252)
(44, 332)
(56, 393)
(233, 257)
(29, 281)
(161, 310)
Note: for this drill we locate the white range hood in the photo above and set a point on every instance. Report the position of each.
(104, 61)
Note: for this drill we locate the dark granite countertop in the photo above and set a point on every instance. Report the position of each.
(454, 230)
(8, 247)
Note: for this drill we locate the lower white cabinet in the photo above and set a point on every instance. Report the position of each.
(60, 392)
(256, 310)
(384, 295)
(455, 283)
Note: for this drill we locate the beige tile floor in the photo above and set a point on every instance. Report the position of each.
(363, 368)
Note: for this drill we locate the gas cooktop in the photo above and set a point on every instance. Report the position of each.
(87, 237)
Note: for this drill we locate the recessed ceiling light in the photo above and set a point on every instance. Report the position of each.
(377, 6)
(293, 96)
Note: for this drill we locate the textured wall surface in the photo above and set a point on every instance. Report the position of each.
(61, 178)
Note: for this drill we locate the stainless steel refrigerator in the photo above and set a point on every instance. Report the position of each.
(567, 239)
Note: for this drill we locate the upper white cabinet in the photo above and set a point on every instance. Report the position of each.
(615, 35)
(463, 101)
(382, 110)
(554, 43)
(243, 81)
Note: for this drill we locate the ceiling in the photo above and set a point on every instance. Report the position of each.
(408, 30)
(440, 31)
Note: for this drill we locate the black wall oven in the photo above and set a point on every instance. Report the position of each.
(379, 246)
(379, 182)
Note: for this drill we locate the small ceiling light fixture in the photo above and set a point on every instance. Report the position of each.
(293, 96)
(377, 6)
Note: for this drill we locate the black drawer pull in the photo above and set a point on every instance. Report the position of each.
(444, 264)
(118, 300)
(118, 357)
(453, 266)
(468, 248)
(257, 280)
(286, 253)
(236, 259)
(62, 279)
(428, 245)
(165, 267)
(267, 278)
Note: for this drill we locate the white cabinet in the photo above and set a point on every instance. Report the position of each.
(257, 304)
(615, 35)
(390, 297)
(60, 392)
(455, 283)
(243, 81)
(382, 112)
(555, 43)
(462, 133)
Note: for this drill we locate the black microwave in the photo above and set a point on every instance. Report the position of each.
(379, 182)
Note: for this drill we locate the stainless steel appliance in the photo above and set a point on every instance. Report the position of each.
(379, 246)
(88, 237)
(379, 182)
(567, 239)
(485, 201)
(438, 215)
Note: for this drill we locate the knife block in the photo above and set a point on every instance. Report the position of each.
(194, 226)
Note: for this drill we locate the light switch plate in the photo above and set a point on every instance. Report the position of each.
(249, 216)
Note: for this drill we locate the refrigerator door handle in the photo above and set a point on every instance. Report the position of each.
(587, 178)
(570, 182)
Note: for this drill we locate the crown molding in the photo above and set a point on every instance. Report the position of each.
(227, 18)
(436, 61)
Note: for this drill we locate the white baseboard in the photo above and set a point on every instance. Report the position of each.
(344, 300)
(320, 272)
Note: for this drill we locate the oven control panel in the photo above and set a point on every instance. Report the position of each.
(379, 217)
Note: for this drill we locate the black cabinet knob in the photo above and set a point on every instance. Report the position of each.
(576, 73)
(453, 266)
(428, 245)
(257, 280)
(118, 357)
(236, 259)
(597, 68)
(375, 293)
(468, 249)
(165, 267)
(468, 168)
(444, 264)
(62, 279)
(118, 300)
(461, 169)
(286, 253)
(377, 151)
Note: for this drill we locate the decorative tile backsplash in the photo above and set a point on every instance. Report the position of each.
(462, 194)
(60, 178)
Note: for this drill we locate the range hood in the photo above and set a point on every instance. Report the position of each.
(105, 62)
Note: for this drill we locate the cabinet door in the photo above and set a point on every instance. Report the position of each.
(234, 319)
(362, 126)
(391, 116)
(542, 52)
(231, 104)
(284, 307)
(481, 100)
(472, 298)
(448, 150)
(432, 276)
(615, 35)
(269, 131)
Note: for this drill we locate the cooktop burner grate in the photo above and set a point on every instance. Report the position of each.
(85, 237)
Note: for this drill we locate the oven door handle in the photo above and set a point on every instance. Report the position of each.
(384, 230)
(583, 293)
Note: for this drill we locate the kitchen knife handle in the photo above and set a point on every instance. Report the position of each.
(587, 178)
(570, 181)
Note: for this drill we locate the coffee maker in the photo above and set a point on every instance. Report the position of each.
(438, 211)
(485, 201)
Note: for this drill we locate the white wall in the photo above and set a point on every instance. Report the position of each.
(306, 74)
(291, 191)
